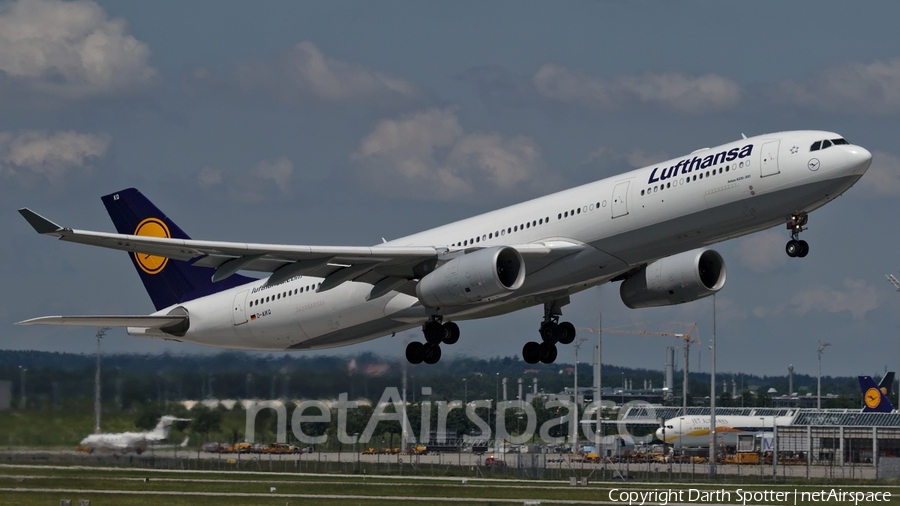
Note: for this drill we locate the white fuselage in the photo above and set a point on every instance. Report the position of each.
(625, 221)
(694, 430)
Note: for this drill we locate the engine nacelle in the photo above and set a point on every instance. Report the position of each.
(680, 278)
(474, 277)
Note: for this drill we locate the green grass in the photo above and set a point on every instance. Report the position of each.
(45, 485)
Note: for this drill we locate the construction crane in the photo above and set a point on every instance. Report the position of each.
(687, 337)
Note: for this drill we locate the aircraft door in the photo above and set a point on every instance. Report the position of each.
(768, 159)
(239, 314)
(619, 199)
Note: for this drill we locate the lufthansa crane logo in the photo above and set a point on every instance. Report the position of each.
(151, 227)
(873, 398)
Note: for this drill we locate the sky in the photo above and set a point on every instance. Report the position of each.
(340, 123)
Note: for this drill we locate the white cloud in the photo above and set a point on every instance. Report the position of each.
(253, 185)
(428, 155)
(209, 177)
(856, 87)
(305, 74)
(762, 252)
(857, 297)
(669, 90)
(883, 177)
(279, 171)
(635, 159)
(70, 50)
(29, 153)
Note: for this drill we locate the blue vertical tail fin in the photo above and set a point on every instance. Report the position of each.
(168, 281)
(875, 397)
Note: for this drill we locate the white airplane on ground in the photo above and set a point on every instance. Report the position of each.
(694, 430)
(649, 228)
(137, 442)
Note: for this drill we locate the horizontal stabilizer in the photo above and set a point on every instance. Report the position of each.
(154, 321)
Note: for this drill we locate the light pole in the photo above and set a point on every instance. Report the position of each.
(821, 348)
(100, 333)
(496, 411)
(894, 281)
(22, 399)
(575, 398)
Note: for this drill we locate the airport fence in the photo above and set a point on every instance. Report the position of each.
(538, 466)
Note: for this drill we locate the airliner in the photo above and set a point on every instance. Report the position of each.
(137, 442)
(649, 228)
(694, 430)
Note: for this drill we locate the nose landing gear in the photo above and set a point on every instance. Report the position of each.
(796, 247)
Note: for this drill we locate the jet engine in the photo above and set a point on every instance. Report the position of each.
(684, 277)
(481, 275)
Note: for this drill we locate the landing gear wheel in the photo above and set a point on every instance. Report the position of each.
(451, 333)
(550, 332)
(432, 353)
(793, 248)
(434, 332)
(804, 249)
(415, 352)
(568, 333)
(548, 353)
(531, 352)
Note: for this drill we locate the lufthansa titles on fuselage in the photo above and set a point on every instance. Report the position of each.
(687, 166)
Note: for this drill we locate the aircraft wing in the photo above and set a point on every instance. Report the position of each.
(386, 267)
(153, 321)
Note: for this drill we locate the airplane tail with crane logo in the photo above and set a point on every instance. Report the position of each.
(876, 398)
(168, 281)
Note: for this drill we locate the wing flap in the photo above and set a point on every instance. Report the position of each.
(144, 321)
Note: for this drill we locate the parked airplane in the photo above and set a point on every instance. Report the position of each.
(694, 430)
(649, 228)
(876, 398)
(137, 442)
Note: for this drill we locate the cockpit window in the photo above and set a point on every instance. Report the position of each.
(827, 144)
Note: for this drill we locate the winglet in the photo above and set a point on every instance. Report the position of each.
(39, 223)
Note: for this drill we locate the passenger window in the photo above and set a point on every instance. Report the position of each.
(816, 145)
(559, 216)
(642, 193)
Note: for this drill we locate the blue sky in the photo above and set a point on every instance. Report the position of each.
(342, 123)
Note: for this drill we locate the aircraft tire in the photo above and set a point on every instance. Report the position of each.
(793, 248)
(567, 332)
(434, 332)
(804, 249)
(550, 332)
(415, 352)
(432, 354)
(548, 353)
(451, 333)
(531, 352)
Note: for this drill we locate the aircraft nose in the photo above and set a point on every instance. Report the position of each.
(859, 159)
(659, 434)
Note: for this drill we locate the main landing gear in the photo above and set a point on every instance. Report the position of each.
(795, 247)
(435, 334)
(552, 331)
